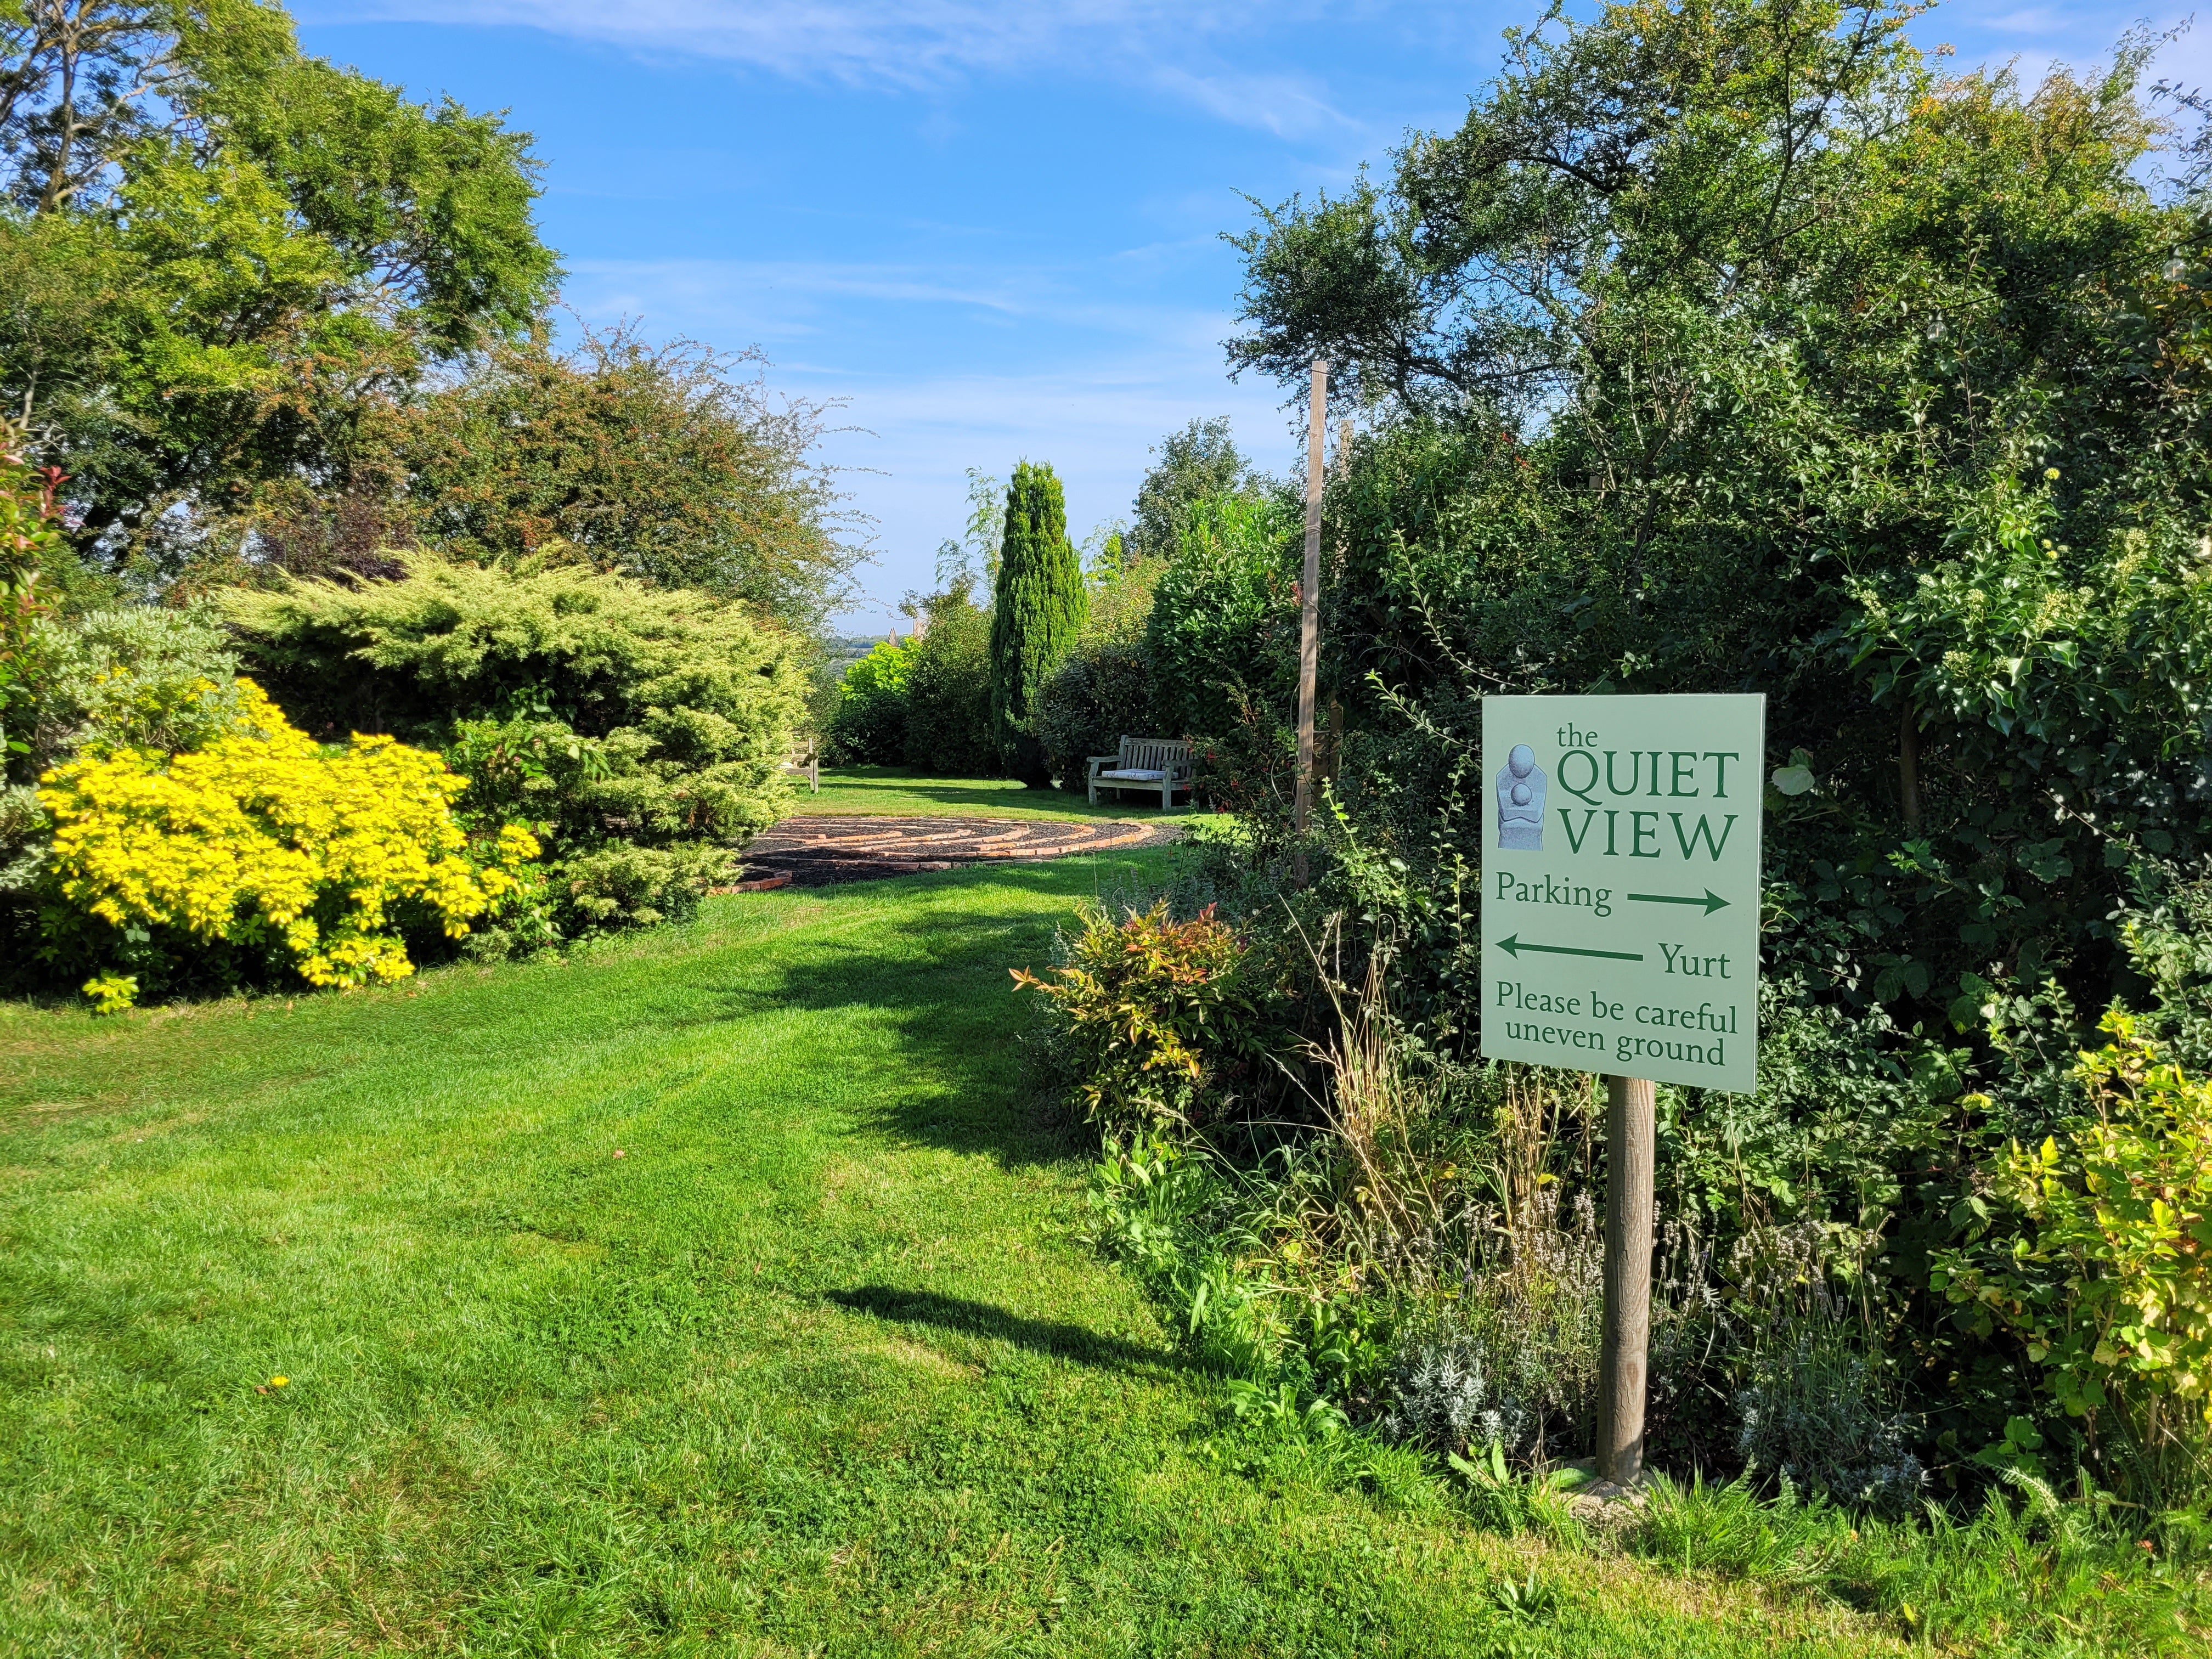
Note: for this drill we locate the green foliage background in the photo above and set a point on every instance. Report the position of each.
(1102, 691)
(867, 723)
(207, 289)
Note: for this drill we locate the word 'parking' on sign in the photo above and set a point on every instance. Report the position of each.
(1620, 885)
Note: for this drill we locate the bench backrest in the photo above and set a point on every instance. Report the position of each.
(1169, 755)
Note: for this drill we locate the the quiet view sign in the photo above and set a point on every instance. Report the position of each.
(1620, 885)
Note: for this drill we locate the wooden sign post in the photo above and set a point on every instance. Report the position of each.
(1310, 605)
(1621, 935)
(1631, 1153)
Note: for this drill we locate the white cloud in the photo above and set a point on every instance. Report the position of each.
(780, 299)
(766, 300)
(1288, 106)
(2033, 20)
(1168, 45)
(2073, 33)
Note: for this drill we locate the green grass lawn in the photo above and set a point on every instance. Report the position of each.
(817, 1365)
(901, 791)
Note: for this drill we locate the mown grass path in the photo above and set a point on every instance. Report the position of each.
(817, 1365)
(902, 791)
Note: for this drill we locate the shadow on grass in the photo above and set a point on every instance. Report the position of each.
(1044, 1336)
(945, 990)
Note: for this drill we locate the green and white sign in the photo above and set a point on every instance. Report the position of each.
(1620, 866)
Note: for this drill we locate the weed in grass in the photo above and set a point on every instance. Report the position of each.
(1531, 1600)
(1732, 1531)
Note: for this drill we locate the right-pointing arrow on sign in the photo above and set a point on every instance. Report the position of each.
(1711, 901)
(1513, 946)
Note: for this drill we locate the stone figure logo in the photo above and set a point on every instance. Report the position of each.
(1520, 802)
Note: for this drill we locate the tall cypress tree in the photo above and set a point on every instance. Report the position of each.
(1036, 610)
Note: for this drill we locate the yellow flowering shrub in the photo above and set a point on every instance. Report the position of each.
(261, 836)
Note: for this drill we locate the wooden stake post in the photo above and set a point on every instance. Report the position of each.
(1621, 935)
(1310, 604)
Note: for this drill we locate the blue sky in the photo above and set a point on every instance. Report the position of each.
(991, 229)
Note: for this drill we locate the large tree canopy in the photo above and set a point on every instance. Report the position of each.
(1732, 345)
(1199, 463)
(214, 248)
(669, 463)
(1693, 155)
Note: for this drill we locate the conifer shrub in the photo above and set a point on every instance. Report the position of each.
(133, 675)
(451, 640)
(607, 713)
(1036, 613)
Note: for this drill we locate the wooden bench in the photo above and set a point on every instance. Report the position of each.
(1146, 763)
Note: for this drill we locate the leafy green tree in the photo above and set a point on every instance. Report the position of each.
(1732, 347)
(1200, 462)
(868, 722)
(973, 557)
(671, 463)
(948, 722)
(1036, 612)
(1222, 627)
(218, 254)
(1102, 692)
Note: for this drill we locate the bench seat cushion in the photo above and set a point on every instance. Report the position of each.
(1132, 775)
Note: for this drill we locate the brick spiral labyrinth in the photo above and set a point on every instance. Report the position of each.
(815, 851)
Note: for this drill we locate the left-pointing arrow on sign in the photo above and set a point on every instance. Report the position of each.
(1514, 946)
